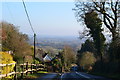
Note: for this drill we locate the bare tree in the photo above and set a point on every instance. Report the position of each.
(109, 11)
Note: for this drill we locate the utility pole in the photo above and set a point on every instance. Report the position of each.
(34, 47)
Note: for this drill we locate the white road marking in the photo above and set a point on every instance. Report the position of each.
(62, 76)
(83, 75)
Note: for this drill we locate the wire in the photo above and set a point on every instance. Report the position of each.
(28, 16)
(10, 13)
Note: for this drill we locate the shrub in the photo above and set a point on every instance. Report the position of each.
(6, 58)
(87, 60)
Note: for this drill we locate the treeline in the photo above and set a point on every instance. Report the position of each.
(97, 55)
(15, 42)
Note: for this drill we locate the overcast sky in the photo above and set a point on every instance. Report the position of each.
(48, 18)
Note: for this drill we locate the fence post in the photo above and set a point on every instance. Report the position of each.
(36, 67)
(27, 68)
(6, 69)
(15, 69)
(31, 69)
(22, 71)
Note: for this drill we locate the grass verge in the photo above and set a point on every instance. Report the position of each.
(34, 75)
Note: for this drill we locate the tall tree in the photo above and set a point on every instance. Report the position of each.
(69, 56)
(94, 24)
(15, 41)
(114, 50)
(87, 46)
(108, 10)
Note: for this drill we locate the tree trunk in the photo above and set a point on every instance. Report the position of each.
(114, 34)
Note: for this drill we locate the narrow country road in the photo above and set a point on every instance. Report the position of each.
(80, 76)
(48, 76)
(71, 76)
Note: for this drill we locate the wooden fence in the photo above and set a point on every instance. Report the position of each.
(25, 68)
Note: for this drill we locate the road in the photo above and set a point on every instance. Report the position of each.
(48, 76)
(80, 76)
(71, 76)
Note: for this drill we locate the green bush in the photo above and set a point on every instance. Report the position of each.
(87, 60)
(6, 59)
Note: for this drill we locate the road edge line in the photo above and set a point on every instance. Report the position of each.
(61, 76)
(83, 75)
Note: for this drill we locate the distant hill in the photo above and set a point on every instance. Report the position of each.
(57, 42)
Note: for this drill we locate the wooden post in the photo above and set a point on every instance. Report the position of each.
(6, 69)
(36, 67)
(15, 69)
(22, 71)
(27, 68)
(31, 68)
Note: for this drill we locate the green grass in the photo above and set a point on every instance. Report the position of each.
(32, 76)
(42, 72)
(35, 75)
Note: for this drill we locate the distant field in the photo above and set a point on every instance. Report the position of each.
(58, 42)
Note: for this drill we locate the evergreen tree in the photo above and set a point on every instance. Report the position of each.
(94, 24)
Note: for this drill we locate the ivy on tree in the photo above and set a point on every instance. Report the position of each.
(94, 23)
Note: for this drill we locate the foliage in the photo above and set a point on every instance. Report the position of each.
(107, 67)
(6, 59)
(15, 41)
(87, 46)
(114, 50)
(94, 23)
(56, 63)
(87, 60)
(109, 10)
(60, 55)
(69, 56)
(37, 61)
(28, 59)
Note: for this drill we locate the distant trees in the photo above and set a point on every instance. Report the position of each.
(15, 41)
(87, 60)
(69, 57)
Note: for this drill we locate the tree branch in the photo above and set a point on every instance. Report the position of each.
(105, 22)
(109, 21)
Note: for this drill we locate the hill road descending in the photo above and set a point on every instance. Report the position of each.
(71, 76)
